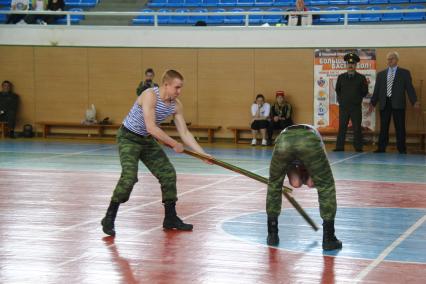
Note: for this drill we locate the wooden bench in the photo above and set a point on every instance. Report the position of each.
(209, 128)
(99, 129)
(374, 135)
(3, 129)
(237, 130)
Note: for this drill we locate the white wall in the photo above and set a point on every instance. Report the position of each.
(408, 35)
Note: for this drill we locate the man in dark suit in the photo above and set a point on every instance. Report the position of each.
(351, 88)
(391, 86)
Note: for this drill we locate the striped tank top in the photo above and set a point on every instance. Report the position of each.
(135, 121)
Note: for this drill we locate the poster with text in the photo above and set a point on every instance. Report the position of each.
(328, 65)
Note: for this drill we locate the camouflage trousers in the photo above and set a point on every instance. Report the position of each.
(133, 148)
(306, 146)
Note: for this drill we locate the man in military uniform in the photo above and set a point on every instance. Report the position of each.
(147, 83)
(351, 88)
(8, 106)
(299, 153)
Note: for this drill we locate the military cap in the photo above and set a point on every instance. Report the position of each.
(351, 58)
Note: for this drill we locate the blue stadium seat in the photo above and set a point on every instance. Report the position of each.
(352, 18)
(195, 18)
(163, 20)
(88, 3)
(358, 2)
(371, 17)
(273, 19)
(284, 3)
(399, 1)
(175, 3)
(210, 3)
(378, 2)
(5, 3)
(193, 3)
(245, 3)
(417, 16)
(392, 16)
(337, 2)
(235, 20)
(319, 2)
(144, 19)
(216, 19)
(3, 17)
(157, 3)
(179, 20)
(418, 1)
(255, 19)
(227, 3)
(332, 18)
(315, 18)
(75, 19)
(263, 3)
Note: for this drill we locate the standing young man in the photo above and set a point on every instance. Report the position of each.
(137, 140)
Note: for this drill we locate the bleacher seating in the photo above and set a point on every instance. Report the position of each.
(392, 16)
(81, 3)
(415, 16)
(75, 19)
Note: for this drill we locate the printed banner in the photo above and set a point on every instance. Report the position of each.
(328, 65)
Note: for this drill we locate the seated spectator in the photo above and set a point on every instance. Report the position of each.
(281, 113)
(37, 5)
(17, 5)
(8, 106)
(54, 5)
(300, 20)
(260, 115)
(148, 83)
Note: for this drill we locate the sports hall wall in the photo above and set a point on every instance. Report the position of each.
(59, 83)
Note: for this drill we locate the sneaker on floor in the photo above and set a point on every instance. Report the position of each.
(264, 142)
(253, 142)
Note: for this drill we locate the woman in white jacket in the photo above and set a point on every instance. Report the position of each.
(260, 119)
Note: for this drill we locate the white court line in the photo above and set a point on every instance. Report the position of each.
(389, 249)
(348, 158)
(56, 155)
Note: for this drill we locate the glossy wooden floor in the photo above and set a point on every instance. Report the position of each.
(54, 194)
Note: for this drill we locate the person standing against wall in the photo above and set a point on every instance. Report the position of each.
(351, 88)
(391, 86)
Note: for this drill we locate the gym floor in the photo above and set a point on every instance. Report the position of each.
(53, 194)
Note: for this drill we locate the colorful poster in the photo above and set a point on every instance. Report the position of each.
(328, 65)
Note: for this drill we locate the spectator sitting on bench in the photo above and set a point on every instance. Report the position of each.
(8, 106)
(260, 115)
(281, 113)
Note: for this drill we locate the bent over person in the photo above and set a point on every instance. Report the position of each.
(137, 140)
(299, 153)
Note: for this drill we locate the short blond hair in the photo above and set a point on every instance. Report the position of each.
(170, 75)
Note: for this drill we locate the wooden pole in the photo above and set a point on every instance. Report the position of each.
(286, 190)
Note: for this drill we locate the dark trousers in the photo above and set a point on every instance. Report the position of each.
(10, 118)
(399, 123)
(354, 113)
(277, 125)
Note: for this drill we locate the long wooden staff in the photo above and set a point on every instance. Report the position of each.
(254, 176)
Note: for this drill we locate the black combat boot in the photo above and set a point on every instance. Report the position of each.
(172, 221)
(329, 240)
(108, 221)
(273, 238)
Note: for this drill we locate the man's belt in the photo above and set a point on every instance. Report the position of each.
(125, 129)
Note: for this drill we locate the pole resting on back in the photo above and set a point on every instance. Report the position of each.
(286, 190)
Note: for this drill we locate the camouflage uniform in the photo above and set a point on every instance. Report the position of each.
(133, 148)
(304, 145)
